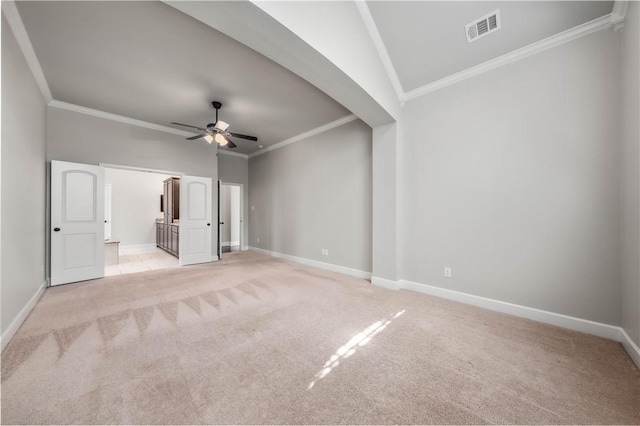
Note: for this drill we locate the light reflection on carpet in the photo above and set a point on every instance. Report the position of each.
(349, 348)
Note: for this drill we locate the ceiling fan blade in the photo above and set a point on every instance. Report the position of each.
(188, 125)
(238, 135)
(192, 138)
(231, 145)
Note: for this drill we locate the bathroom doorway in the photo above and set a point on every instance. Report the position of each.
(133, 207)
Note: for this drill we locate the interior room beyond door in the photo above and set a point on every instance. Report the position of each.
(230, 217)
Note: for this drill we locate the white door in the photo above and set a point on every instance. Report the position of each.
(77, 222)
(195, 220)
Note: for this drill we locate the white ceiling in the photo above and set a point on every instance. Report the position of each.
(426, 40)
(151, 62)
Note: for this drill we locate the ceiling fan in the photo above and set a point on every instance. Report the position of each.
(217, 131)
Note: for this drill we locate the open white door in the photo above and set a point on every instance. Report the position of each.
(77, 222)
(195, 220)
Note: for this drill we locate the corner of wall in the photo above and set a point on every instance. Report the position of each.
(11, 330)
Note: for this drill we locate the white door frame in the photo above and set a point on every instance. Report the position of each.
(141, 169)
(107, 211)
(146, 170)
(241, 210)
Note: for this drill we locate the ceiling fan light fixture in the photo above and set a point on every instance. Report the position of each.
(222, 141)
(217, 131)
(222, 125)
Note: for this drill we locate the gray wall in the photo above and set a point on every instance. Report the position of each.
(135, 205)
(315, 194)
(631, 174)
(86, 139)
(232, 169)
(23, 181)
(511, 178)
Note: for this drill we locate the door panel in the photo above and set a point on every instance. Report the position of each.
(195, 220)
(77, 222)
(78, 251)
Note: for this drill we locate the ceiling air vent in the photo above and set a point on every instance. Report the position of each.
(483, 26)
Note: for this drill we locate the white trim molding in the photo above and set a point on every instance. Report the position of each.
(148, 246)
(582, 30)
(20, 32)
(560, 320)
(305, 135)
(618, 13)
(115, 117)
(22, 315)
(232, 154)
(140, 169)
(374, 33)
(630, 346)
(134, 122)
(328, 266)
(385, 283)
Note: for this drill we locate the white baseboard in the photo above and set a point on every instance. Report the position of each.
(572, 323)
(632, 349)
(560, 320)
(328, 266)
(133, 249)
(22, 315)
(231, 243)
(138, 246)
(385, 283)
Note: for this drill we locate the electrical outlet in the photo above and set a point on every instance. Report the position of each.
(253, 208)
(258, 239)
(447, 272)
(325, 252)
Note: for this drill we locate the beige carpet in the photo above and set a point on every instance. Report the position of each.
(259, 340)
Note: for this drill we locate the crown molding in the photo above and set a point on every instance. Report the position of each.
(10, 11)
(132, 121)
(619, 11)
(582, 30)
(618, 14)
(232, 154)
(305, 135)
(120, 118)
(374, 33)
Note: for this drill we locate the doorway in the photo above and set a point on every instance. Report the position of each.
(78, 228)
(231, 217)
(133, 209)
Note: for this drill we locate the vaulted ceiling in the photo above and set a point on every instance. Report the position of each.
(426, 40)
(148, 61)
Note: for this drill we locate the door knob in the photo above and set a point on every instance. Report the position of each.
(208, 224)
(221, 223)
(56, 229)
